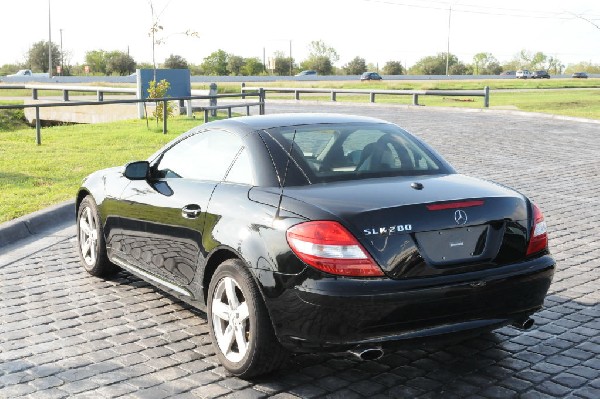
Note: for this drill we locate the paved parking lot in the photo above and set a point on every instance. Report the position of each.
(64, 333)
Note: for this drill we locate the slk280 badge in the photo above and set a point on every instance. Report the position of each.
(387, 230)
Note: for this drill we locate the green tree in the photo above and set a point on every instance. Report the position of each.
(283, 64)
(175, 62)
(96, 60)
(159, 90)
(37, 56)
(555, 66)
(321, 64)
(485, 64)
(393, 68)
(216, 63)
(144, 65)
(583, 66)
(436, 65)
(7, 69)
(321, 58)
(235, 63)
(120, 63)
(356, 66)
(528, 60)
(252, 67)
(318, 48)
(538, 61)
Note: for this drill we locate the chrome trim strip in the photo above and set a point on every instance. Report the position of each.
(153, 278)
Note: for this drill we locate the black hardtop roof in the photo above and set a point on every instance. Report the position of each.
(260, 122)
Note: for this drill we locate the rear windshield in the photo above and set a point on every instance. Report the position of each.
(329, 152)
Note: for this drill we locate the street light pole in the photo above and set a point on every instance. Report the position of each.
(62, 67)
(448, 48)
(49, 43)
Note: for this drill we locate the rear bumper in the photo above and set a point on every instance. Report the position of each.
(331, 313)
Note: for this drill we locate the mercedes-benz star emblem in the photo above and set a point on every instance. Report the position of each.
(460, 216)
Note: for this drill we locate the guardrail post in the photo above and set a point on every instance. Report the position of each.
(242, 90)
(165, 113)
(213, 100)
(38, 127)
(205, 115)
(486, 97)
(229, 112)
(100, 96)
(34, 94)
(372, 97)
(261, 96)
(297, 94)
(415, 99)
(65, 95)
(333, 98)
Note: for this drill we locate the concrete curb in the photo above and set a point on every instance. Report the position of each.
(37, 222)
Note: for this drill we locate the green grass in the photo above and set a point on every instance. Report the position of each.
(33, 177)
(12, 119)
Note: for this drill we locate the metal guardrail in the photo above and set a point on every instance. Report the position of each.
(485, 93)
(66, 89)
(212, 98)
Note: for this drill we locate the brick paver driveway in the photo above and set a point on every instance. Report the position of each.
(64, 333)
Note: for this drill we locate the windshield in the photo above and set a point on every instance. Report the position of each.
(330, 152)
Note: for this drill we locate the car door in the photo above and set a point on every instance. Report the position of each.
(161, 220)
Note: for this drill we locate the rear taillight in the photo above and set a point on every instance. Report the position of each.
(328, 246)
(539, 232)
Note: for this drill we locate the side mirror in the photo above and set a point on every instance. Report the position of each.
(138, 170)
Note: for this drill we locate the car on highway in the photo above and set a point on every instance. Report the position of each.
(579, 75)
(316, 232)
(370, 76)
(508, 73)
(308, 72)
(523, 74)
(540, 75)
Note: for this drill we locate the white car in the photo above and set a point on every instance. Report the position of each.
(523, 74)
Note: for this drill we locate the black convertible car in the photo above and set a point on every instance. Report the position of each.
(311, 232)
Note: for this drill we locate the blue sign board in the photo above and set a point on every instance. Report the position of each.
(179, 80)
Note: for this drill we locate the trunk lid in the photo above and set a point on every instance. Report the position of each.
(428, 225)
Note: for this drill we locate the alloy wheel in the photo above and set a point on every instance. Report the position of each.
(230, 318)
(88, 236)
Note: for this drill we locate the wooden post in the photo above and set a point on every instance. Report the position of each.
(165, 113)
(38, 127)
(486, 97)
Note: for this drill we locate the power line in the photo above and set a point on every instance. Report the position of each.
(482, 10)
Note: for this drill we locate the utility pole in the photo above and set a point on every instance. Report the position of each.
(62, 67)
(49, 43)
(448, 48)
(291, 61)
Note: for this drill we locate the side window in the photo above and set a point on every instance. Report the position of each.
(241, 171)
(203, 156)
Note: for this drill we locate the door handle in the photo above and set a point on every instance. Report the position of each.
(191, 211)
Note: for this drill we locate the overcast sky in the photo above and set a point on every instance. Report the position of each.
(377, 30)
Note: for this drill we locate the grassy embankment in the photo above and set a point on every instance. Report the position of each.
(33, 177)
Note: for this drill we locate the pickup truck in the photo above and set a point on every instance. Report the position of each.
(22, 72)
(26, 72)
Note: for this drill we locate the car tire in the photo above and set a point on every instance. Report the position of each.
(240, 328)
(90, 240)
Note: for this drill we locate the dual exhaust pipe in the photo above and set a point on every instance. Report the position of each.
(366, 353)
(523, 324)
